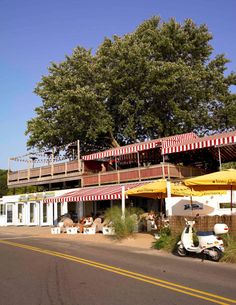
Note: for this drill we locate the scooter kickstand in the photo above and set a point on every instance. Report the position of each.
(203, 256)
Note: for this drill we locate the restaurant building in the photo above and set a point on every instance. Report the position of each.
(91, 183)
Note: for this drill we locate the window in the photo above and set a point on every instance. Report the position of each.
(20, 212)
(2, 209)
(32, 209)
(45, 212)
(58, 209)
(226, 205)
(9, 213)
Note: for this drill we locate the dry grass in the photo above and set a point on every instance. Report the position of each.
(230, 249)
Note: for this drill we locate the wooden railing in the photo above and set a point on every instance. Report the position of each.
(141, 173)
(71, 169)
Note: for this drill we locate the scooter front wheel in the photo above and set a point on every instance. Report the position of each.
(181, 251)
(215, 254)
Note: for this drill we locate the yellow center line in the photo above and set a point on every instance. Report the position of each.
(138, 276)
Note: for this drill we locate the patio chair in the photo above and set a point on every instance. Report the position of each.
(107, 228)
(95, 227)
(86, 225)
(65, 223)
(97, 224)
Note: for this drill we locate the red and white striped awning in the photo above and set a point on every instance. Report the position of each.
(124, 150)
(216, 140)
(108, 192)
(134, 148)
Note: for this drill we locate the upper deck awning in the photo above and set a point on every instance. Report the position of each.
(223, 140)
(134, 148)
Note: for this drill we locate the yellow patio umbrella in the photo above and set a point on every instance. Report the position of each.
(154, 189)
(222, 180)
(158, 189)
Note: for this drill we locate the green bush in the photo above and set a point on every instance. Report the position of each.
(230, 249)
(123, 226)
(167, 241)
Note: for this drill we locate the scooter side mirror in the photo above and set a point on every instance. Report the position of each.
(186, 221)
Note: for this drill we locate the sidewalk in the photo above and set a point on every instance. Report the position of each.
(139, 240)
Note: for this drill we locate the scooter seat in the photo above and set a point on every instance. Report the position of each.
(205, 233)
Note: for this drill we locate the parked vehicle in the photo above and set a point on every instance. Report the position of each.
(209, 243)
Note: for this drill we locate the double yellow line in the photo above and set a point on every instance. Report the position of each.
(137, 276)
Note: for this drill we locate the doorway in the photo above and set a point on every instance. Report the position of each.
(72, 210)
(20, 213)
(45, 213)
(9, 213)
(32, 212)
(2, 214)
(59, 209)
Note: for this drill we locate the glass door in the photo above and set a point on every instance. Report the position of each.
(9, 213)
(32, 212)
(2, 214)
(59, 210)
(20, 213)
(45, 213)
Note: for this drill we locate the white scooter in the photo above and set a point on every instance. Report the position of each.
(210, 244)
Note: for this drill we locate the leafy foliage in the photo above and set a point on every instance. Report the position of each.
(23, 190)
(71, 107)
(3, 182)
(157, 81)
(4, 190)
(229, 165)
(123, 226)
(166, 241)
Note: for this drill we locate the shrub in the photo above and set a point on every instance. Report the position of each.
(230, 249)
(166, 241)
(123, 226)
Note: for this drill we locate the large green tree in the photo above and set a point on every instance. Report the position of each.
(3, 182)
(72, 108)
(162, 79)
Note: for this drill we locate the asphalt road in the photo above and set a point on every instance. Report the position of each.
(39, 271)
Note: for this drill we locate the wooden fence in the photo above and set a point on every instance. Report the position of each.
(204, 223)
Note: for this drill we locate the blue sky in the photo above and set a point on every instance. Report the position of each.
(33, 33)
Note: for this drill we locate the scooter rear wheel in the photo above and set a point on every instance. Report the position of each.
(181, 251)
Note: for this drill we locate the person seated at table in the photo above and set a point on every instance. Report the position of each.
(110, 166)
(103, 168)
(151, 220)
(151, 215)
(85, 222)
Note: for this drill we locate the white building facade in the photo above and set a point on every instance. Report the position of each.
(210, 205)
(34, 210)
(30, 210)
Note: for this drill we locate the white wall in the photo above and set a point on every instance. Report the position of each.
(2, 217)
(38, 219)
(205, 205)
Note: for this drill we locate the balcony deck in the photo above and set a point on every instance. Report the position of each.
(71, 171)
